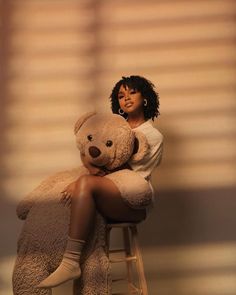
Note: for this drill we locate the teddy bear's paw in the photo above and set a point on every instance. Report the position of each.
(67, 270)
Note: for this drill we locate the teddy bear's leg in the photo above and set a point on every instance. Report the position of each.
(135, 190)
(28, 271)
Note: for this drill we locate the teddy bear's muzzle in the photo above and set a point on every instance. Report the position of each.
(94, 151)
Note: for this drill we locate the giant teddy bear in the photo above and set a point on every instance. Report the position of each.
(104, 140)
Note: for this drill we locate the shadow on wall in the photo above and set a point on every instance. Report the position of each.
(191, 217)
(189, 214)
(9, 226)
(3, 88)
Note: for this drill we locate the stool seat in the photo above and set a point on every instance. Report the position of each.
(132, 257)
(121, 224)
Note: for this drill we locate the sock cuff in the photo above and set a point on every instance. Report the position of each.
(75, 240)
(74, 245)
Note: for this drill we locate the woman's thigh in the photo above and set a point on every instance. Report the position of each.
(110, 203)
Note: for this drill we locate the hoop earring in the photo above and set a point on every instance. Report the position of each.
(121, 112)
(145, 102)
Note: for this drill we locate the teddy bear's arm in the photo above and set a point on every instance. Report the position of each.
(27, 202)
(24, 206)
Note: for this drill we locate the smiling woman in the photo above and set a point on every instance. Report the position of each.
(92, 192)
(131, 102)
(137, 99)
(56, 52)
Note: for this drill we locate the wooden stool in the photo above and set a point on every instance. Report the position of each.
(132, 256)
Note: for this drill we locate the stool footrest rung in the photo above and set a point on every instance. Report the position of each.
(121, 225)
(116, 250)
(139, 292)
(125, 259)
(128, 253)
(118, 280)
(136, 289)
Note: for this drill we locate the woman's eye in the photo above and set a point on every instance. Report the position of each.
(132, 91)
(89, 137)
(121, 96)
(109, 143)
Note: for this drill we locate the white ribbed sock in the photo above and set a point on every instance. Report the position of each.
(69, 268)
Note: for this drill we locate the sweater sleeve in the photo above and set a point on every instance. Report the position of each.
(153, 158)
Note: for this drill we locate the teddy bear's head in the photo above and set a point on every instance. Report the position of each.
(107, 140)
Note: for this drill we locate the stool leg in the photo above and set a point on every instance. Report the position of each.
(107, 237)
(140, 268)
(126, 238)
(107, 247)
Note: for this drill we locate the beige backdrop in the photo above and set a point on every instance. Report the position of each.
(61, 58)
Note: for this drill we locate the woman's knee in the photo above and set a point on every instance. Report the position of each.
(86, 183)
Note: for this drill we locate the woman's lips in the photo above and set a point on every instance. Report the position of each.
(129, 104)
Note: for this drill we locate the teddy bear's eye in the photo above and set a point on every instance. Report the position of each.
(90, 137)
(109, 143)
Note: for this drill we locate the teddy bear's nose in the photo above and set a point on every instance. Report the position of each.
(94, 151)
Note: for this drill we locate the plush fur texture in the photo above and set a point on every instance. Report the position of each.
(112, 135)
(105, 140)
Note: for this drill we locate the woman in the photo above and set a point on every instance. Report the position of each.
(135, 99)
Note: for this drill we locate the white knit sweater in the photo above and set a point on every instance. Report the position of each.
(153, 158)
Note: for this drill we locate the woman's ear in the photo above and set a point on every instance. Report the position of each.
(82, 120)
(141, 146)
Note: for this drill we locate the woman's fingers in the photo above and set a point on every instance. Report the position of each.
(65, 196)
(100, 172)
(68, 202)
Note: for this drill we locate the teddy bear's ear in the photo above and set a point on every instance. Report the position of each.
(81, 121)
(141, 146)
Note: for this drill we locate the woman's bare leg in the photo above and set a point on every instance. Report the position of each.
(91, 193)
(95, 192)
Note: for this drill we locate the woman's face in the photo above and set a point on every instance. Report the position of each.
(130, 100)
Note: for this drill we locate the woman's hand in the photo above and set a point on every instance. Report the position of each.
(93, 170)
(67, 194)
(98, 171)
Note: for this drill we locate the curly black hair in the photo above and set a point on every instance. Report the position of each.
(145, 87)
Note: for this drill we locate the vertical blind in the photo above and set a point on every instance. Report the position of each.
(65, 56)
